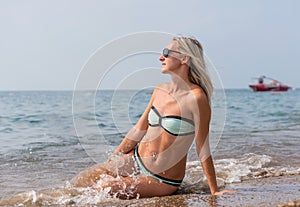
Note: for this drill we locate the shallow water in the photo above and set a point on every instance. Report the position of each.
(41, 150)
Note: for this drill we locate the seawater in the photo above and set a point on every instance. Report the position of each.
(46, 140)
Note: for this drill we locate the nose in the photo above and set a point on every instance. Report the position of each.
(161, 58)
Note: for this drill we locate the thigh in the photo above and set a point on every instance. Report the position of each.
(120, 165)
(150, 187)
(117, 165)
(89, 176)
(137, 186)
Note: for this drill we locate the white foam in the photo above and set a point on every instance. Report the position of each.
(227, 170)
(85, 196)
(232, 170)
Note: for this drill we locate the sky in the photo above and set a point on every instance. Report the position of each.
(44, 44)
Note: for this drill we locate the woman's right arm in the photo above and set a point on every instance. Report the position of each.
(137, 132)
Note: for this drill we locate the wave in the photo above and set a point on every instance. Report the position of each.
(6, 130)
(62, 196)
(229, 170)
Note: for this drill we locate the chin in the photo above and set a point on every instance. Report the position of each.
(164, 71)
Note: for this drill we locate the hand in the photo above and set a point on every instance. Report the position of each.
(225, 192)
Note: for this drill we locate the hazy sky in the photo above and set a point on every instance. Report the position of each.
(45, 43)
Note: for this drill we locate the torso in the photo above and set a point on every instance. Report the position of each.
(162, 152)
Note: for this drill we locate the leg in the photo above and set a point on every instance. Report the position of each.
(137, 186)
(116, 165)
(89, 176)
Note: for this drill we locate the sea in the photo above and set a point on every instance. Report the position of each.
(47, 137)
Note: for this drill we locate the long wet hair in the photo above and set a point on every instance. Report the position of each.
(197, 69)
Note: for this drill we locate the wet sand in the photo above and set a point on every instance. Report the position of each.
(272, 191)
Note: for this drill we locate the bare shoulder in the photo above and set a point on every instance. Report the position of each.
(162, 87)
(199, 96)
(200, 106)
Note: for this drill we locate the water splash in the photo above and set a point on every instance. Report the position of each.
(246, 167)
(232, 170)
(63, 196)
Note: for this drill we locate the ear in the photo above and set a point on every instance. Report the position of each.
(185, 60)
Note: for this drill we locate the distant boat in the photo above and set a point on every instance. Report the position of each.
(273, 85)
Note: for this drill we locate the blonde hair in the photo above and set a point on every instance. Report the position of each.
(197, 69)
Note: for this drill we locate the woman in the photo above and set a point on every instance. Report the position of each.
(151, 159)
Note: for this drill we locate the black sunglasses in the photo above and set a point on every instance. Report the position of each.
(166, 52)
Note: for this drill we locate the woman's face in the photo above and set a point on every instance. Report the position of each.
(172, 62)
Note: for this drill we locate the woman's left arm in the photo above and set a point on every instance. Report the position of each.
(202, 117)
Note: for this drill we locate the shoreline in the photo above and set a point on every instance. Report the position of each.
(280, 191)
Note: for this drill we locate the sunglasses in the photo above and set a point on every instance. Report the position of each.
(166, 52)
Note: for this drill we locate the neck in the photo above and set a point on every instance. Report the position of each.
(180, 81)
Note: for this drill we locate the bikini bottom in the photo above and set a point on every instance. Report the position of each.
(142, 168)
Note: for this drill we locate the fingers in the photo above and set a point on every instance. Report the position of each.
(225, 192)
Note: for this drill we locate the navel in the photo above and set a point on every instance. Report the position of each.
(154, 156)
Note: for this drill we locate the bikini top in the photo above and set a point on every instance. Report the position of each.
(175, 125)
